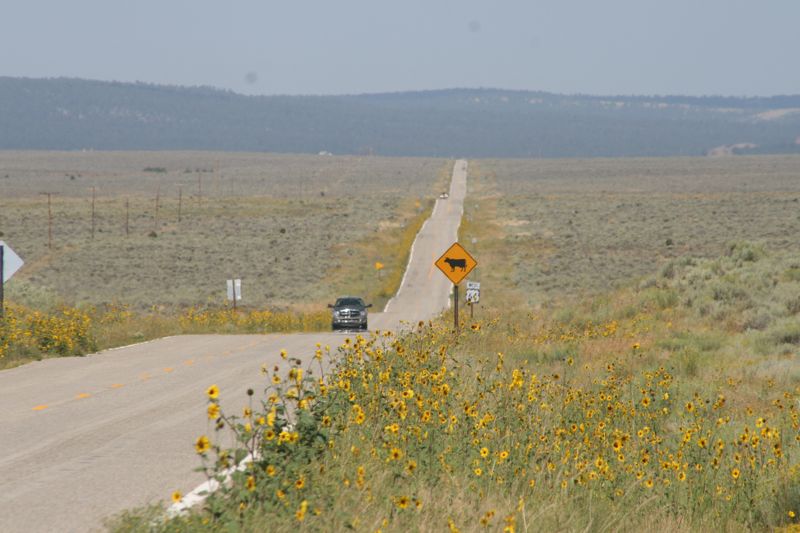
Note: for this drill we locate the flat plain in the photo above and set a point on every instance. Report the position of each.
(297, 229)
(548, 230)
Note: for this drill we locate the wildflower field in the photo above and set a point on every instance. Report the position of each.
(27, 334)
(651, 408)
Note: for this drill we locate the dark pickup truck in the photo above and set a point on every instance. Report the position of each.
(349, 313)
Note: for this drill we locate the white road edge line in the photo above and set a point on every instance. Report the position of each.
(410, 258)
(136, 344)
(414, 244)
(201, 492)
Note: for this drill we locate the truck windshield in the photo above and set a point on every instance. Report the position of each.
(350, 301)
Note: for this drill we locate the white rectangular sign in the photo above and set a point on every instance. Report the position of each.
(235, 285)
(473, 292)
(11, 262)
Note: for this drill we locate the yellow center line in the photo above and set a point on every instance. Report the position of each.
(40, 407)
(82, 395)
(144, 376)
(168, 369)
(188, 362)
(117, 386)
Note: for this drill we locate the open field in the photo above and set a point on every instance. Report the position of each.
(292, 227)
(551, 230)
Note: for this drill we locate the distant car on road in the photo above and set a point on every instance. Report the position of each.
(444, 196)
(349, 312)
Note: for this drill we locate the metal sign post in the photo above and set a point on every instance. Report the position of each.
(455, 307)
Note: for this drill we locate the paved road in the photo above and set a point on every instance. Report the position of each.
(84, 438)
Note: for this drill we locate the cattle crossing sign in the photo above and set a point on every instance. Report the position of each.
(456, 263)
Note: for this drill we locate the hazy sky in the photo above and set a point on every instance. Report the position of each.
(733, 47)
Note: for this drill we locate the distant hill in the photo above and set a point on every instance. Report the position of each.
(75, 114)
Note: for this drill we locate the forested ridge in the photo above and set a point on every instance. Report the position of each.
(76, 114)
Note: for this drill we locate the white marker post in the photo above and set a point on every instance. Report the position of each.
(234, 291)
(10, 262)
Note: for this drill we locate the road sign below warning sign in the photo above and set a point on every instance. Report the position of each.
(473, 295)
(456, 263)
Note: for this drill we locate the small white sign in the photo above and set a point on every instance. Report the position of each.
(234, 287)
(473, 295)
(11, 262)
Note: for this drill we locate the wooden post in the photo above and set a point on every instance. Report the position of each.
(199, 188)
(180, 201)
(49, 220)
(455, 306)
(234, 294)
(127, 216)
(49, 223)
(93, 199)
(155, 219)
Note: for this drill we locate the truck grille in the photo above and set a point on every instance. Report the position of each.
(349, 313)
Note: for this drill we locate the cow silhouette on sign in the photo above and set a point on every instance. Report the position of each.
(456, 263)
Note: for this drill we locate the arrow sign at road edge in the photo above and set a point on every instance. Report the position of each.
(11, 262)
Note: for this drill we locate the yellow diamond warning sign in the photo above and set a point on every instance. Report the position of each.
(456, 263)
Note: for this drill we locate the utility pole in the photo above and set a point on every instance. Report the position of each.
(199, 188)
(180, 201)
(127, 216)
(93, 199)
(155, 219)
(49, 219)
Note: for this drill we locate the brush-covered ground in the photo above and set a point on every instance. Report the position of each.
(669, 403)
(573, 228)
(291, 227)
(298, 230)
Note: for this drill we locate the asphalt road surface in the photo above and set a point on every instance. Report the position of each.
(83, 438)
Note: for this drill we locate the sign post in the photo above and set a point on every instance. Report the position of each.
(455, 307)
(456, 263)
(10, 262)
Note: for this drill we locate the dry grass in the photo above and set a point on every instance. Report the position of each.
(286, 225)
